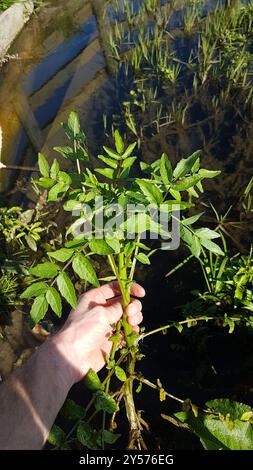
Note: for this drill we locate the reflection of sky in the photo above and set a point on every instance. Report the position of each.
(60, 57)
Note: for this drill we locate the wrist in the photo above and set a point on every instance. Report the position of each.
(67, 358)
(57, 357)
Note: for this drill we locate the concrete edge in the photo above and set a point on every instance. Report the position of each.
(12, 21)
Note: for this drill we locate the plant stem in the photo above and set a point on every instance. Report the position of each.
(179, 266)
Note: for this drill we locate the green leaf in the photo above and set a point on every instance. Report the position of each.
(44, 182)
(186, 183)
(223, 430)
(105, 402)
(31, 242)
(119, 143)
(150, 190)
(39, 309)
(100, 247)
(62, 255)
(56, 436)
(128, 163)
(207, 233)
(211, 246)
(142, 258)
(43, 165)
(185, 165)
(85, 270)
(55, 168)
(109, 161)
(35, 290)
(114, 244)
(67, 289)
(74, 123)
(208, 174)
(107, 172)
(109, 437)
(129, 150)
(46, 270)
(66, 152)
(120, 374)
(192, 220)
(57, 191)
(92, 381)
(195, 246)
(165, 169)
(72, 411)
(87, 436)
(54, 300)
(112, 154)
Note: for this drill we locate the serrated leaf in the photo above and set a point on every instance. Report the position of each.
(62, 255)
(54, 300)
(100, 247)
(67, 289)
(151, 191)
(39, 309)
(43, 165)
(165, 169)
(47, 270)
(105, 402)
(185, 165)
(35, 290)
(84, 269)
(120, 374)
(119, 143)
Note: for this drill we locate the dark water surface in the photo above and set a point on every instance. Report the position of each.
(61, 66)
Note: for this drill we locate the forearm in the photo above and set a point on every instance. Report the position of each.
(32, 397)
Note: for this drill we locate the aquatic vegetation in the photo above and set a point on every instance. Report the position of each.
(123, 246)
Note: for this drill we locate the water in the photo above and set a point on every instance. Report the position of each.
(61, 67)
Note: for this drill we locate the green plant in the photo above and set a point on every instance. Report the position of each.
(223, 425)
(158, 185)
(18, 227)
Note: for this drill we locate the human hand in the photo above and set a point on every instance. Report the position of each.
(84, 339)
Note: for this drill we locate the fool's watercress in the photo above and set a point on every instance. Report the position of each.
(134, 191)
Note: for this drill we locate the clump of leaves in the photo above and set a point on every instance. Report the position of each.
(223, 425)
(229, 294)
(18, 227)
(9, 290)
(122, 247)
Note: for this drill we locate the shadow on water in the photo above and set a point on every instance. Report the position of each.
(62, 66)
